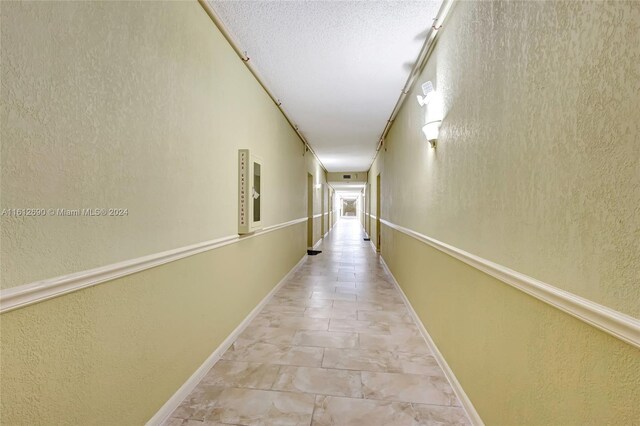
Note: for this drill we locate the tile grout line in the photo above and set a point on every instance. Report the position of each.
(333, 395)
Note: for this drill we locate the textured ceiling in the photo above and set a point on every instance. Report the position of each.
(337, 66)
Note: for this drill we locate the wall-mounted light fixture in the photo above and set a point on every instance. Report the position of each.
(431, 130)
(318, 185)
(433, 114)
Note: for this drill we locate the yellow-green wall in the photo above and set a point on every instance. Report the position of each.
(536, 169)
(141, 106)
(519, 360)
(537, 163)
(128, 105)
(113, 354)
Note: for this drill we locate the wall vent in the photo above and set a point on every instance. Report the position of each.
(346, 176)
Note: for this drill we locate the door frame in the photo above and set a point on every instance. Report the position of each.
(378, 239)
(309, 210)
(322, 218)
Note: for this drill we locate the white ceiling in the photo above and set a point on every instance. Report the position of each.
(337, 66)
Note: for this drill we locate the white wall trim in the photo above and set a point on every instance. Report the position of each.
(176, 399)
(472, 414)
(315, 216)
(615, 323)
(28, 294)
(276, 227)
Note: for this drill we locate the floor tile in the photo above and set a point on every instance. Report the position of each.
(437, 415)
(418, 364)
(332, 295)
(356, 359)
(319, 381)
(331, 313)
(407, 388)
(249, 406)
(293, 309)
(287, 355)
(187, 422)
(298, 323)
(412, 343)
(336, 411)
(326, 339)
(356, 326)
(389, 317)
(276, 336)
(241, 375)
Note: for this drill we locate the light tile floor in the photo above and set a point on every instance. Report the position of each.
(335, 346)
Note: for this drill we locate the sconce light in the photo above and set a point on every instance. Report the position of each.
(431, 130)
(318, 185)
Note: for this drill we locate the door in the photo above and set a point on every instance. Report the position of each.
(309, 210)
(364, 208)
(378, 239)
(368, 202)
(323, 217)
(329, 209)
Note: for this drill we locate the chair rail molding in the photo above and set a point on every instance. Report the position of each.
(609, 320)
(28, 294)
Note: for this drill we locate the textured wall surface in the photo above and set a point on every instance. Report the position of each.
(536, 168)
(124, 105)
(113, 354)
(138, 106)
(520, 361)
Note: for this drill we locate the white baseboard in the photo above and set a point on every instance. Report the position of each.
(473, 415)
(188, 386)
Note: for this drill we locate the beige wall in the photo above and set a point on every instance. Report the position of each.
(519, 360)
(130, 106)
(357, 177)
(137, 106)
(536, 169)
(537, 164)
(113, 354)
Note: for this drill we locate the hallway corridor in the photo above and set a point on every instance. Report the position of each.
(165, 167)
(334, 346)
